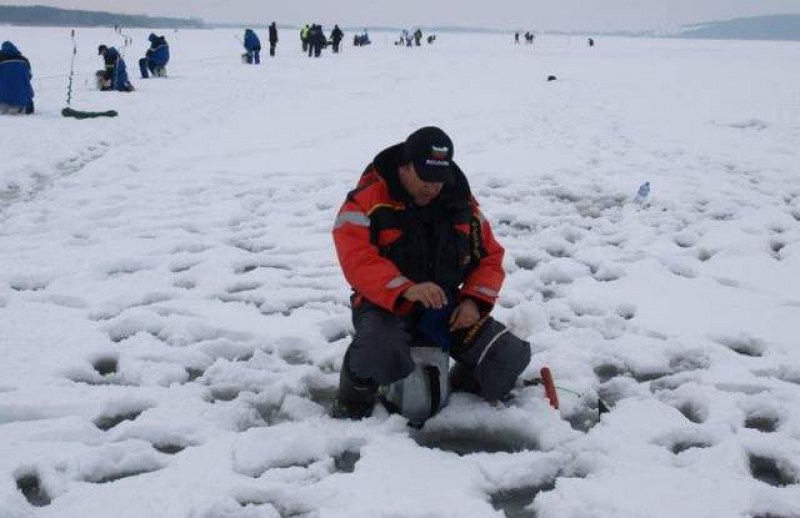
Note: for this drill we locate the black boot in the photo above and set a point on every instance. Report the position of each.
(462, 379)
(356, 397)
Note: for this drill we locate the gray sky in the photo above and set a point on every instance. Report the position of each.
(508, 14)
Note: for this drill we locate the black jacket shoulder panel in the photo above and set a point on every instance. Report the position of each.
(386, 163)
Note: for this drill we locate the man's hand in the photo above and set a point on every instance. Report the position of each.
(466, 315)
(428, 294)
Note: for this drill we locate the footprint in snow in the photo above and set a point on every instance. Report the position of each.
(742, 344)
(109, 421)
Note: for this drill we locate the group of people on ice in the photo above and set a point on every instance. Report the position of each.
(362, 39)
(16, 90)
(114, 75)
(529, 37)
(252, 45)
(313, 39)
(408, 38)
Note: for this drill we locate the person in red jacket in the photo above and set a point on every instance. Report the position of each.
(424, 267)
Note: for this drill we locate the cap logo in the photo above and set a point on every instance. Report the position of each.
(439, 153)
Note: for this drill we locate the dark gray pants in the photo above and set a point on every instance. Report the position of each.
(380, 352)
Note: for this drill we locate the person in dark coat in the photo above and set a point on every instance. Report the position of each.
(417, 37)
(253, 47)
(156, 58)
(424, 266)
(273, 39)
(316, 41)
(16, 92)
(336, 37)
(115, 74)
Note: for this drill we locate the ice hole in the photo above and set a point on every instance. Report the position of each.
(346, 461)
(771, 471)
(474, 440)
(526, 262)
(224, 393)
(515, 503)
(30, 486)
(169, 448)
(705, 254)
(607, 371)
(193, 374)
(105, 366)
(119, 476)
(762, 423)
(682, 446)
(742, 344)
(107, 422)
(693, 412)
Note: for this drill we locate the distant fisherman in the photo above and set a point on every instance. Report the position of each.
(253, 47)
(115, 74)
(273, 39)
(336, 38)
(16, 92)
(316, 40)
(156, 58)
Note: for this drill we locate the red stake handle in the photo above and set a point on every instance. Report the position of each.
(549, 386)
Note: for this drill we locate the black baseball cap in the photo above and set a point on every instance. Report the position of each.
(431, 152)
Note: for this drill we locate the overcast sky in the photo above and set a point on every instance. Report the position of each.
(504, 14)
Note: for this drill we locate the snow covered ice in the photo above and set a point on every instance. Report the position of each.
(173, 318)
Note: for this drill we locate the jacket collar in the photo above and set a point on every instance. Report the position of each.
(387, 162)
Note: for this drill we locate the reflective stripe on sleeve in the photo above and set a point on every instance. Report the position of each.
(356, 218)
(483, 290)
(396, 282)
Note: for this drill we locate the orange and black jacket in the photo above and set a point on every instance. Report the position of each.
(386, 244)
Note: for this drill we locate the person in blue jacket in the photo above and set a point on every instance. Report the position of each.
(115, 74)
(156, 58)
(253, 47)
(16, 92)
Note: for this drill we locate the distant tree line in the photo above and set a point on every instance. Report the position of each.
(41, 15)
(772, 27)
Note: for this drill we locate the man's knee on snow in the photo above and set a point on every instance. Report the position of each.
(502, 365)
(497, 356)
(380, 350)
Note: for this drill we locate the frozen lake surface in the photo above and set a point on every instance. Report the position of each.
(173, 317)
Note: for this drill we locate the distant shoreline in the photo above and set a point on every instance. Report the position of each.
(28, 16)
(782, 27)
